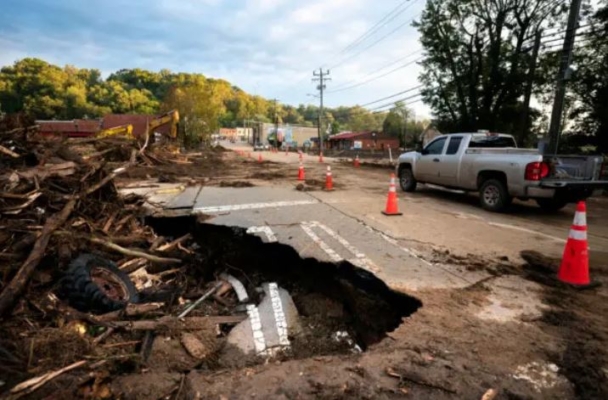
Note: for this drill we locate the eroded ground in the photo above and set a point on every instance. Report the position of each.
(489, 319)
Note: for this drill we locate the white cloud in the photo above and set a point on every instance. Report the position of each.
(323, 11)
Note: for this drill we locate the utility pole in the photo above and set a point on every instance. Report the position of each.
(402, 111)
(276, 122)
(562, 77)
(525, 122)
(322, 78)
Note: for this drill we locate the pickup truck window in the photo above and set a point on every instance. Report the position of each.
(491, 142)
(435, 147)
(454, 145)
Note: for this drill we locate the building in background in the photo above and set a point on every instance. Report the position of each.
(367, 140)
(73, 128)
(292, 135)
(228, 133)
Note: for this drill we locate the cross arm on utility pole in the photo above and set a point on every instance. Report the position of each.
(321, 77)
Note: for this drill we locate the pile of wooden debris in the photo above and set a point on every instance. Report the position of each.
(73, 253)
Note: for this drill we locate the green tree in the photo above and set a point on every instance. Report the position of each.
(201, 107)
(589, 84)
(477, 58)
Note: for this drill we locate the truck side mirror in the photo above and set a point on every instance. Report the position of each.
(424, 152)
(418, 147)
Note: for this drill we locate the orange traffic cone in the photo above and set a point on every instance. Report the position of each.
(321, 157)
(575, 262)
(300, 153)
(356, 162)
(392, 202)
(301, 174)
(260, 157)
(329, 182)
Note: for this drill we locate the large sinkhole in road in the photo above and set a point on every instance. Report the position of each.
(329, 297)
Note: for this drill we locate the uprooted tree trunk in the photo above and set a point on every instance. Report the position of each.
(14, 289)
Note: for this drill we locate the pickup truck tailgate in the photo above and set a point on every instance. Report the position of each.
(576, 167)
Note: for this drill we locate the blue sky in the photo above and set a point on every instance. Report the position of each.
(266, 47)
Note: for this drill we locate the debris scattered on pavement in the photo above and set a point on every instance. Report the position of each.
(92, 289)
(540, 375)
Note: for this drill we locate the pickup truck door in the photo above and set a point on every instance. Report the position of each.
(449, 161)
(427, 166)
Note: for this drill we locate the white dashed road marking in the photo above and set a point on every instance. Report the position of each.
(360, 259)
(279, 315)
(252, 206)
(307, 227)
(266, 230)
(256, 327)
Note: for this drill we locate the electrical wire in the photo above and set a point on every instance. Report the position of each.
(379, 70)
(375, 78)
(405, 104)
(396, 101)
(373, 43)
(390, 16)
(578, 34)
(390, 97)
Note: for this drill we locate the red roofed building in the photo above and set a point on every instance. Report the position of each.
(366, 140)
(73, 128)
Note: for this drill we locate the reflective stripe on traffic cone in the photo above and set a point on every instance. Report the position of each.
(574, 268)
(356, 162)
(301, 174)
(329, 182)
(392, 202)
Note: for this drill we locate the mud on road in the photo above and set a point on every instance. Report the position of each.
(443, 343)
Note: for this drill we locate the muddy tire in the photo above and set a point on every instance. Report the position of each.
(94, 284)
(551, 204)
(494, 196)
(406, 179)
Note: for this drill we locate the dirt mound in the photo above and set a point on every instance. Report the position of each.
(236, 184)
(267, 176)
(579, 317)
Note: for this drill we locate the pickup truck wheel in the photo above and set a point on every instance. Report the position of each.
(406, 180)
(551, 204)
(494, 196)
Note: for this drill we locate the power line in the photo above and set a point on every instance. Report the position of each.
(577, 45)
(562, 32)
(583, 35)
(339, 87)
(377, 77)
(405, 104)
(396, 101)
(390, 97)
(373, 43)
(383, 22)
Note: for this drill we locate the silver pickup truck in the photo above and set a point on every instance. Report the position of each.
(492, 165)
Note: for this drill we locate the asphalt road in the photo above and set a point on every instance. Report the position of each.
(419, 250)
(443, 250)
(449, 219)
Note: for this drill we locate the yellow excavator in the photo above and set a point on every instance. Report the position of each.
(171, 117)
(122, 130)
